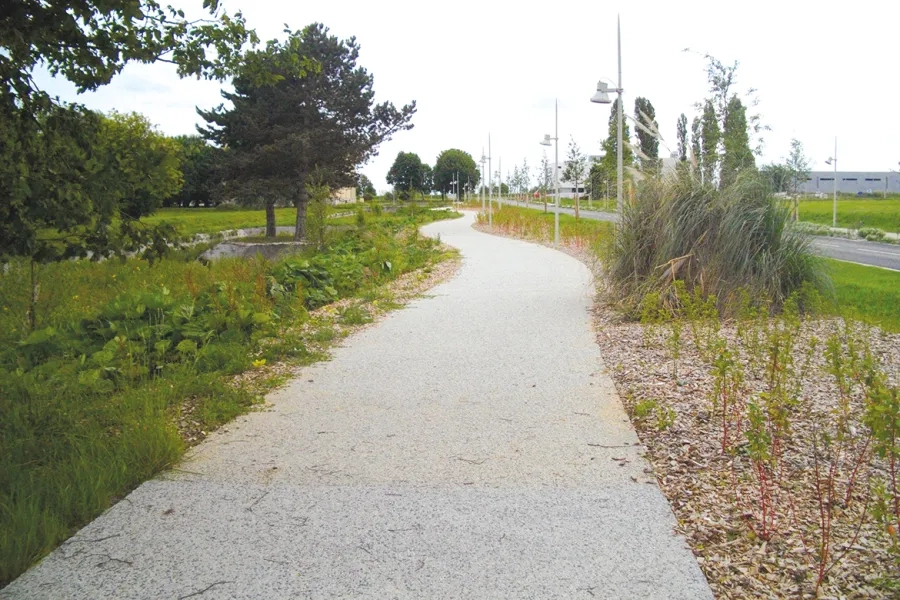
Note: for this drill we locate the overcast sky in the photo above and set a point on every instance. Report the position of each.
(480, 67)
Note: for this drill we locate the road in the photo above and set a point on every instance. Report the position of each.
(858, 251)
(471, 445)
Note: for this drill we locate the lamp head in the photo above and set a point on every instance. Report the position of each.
(828, 162)
(602, 95)
(546, 140)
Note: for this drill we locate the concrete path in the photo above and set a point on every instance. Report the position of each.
(469, 446)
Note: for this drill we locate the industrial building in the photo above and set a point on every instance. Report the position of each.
(865, 183)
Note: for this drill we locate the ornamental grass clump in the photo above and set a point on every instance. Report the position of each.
(720, 243)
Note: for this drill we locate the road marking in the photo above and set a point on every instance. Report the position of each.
(853, 262)
(838, 247)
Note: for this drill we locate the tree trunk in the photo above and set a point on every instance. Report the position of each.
(576, 199)
(302, 201)
(270, 219)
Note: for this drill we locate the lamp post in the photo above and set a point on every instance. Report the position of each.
(483, 182)
(490, 186)
(602, 97)
(833, 160)
(546, 142)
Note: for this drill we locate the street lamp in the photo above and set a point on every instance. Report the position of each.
(483, 182)
(833, 160)
(546, 142)
(602, 97)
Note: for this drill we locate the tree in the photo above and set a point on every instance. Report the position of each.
(709, 143)
(449, 163)
(427, 179)
(141, 167)
(696, 150)
(525, 178)
(797, 165)
(546, 179)
(301, 108)
(407, 174)
(610, 144)
(49, 186)
(682, 137)
(575, 167)
(737, 155)
(647, 132)
(199, 162)
(778, 176)
(364, 187)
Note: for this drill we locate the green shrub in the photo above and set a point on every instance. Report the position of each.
(717, 242)
(872, 234)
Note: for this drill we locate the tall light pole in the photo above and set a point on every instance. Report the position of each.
(490, 186)
(546, 142)
(483, 182)
(833, 160)
(602, 97)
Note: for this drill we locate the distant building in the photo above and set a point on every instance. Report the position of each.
(852, 182)
(345, 195)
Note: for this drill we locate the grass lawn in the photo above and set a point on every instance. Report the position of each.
(190, 221)
(867, 293)
(854, 213)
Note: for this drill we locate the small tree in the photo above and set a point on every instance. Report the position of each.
(546, 179)
(525, 178)
(575, 168)
(797, 166)
(364, 187)
(199, 163)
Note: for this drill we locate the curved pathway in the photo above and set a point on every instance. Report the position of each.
(469, 446)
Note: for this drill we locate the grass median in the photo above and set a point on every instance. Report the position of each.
(869, 294)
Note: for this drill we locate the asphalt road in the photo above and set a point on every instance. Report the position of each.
(858, 251)
(471, 445)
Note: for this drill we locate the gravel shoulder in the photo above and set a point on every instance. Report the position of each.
(471, 445)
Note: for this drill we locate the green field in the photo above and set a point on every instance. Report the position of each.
(854, 213)
(190, 221)
(869, 294)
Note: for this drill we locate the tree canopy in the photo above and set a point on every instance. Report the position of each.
(408, 174)
(57, 197)
(302, 109)
(448, 164)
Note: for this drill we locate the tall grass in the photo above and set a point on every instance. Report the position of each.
(721, 244)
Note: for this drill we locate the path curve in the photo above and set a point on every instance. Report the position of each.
(469, 446)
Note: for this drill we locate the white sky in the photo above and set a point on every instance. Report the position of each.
(495, 67)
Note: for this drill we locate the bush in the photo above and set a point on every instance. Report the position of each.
(719, 243)
(872, 234)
